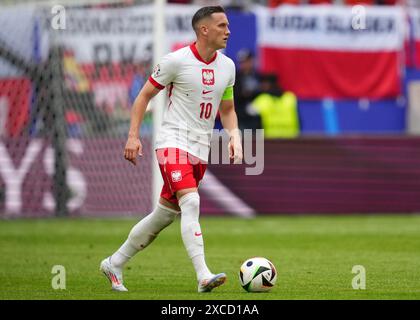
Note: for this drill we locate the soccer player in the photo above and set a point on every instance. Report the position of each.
(200, 82)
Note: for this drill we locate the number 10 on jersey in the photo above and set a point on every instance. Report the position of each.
(205, 110)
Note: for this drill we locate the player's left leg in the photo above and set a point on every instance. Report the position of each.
(140, 236)
(145, 231)
(189, 202)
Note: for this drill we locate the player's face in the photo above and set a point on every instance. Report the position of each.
(218, 30)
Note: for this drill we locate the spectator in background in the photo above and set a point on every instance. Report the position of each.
(388, 2)
(320, 1)
(356, 2)
(371, 2)
(278, 110)
(246, 89)
(275, 3)
(180, 1)
(138, 81)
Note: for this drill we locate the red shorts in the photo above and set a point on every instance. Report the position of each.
(180, 170)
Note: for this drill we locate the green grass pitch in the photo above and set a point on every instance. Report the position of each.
(314, 256)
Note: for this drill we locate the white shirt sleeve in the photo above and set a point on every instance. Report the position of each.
(233, 75)
(164, 72)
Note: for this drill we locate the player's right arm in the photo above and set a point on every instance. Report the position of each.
(133, 146)
(162, 75)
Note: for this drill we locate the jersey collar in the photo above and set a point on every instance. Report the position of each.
(197, 55)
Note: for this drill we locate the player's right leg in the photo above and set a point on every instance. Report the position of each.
(140, 236)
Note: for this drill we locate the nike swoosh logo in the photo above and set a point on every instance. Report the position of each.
(205, 92)
(197, 234)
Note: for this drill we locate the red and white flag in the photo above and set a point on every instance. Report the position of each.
(332, 51)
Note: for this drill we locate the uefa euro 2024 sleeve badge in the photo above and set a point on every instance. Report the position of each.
(156, 70)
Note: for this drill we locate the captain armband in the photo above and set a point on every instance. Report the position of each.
(228, 94)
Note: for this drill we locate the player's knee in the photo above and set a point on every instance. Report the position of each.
(190, 202)
(144, 232)
(165, 219)
(166, 215)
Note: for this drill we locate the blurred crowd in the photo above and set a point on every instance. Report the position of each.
(260, 101)
(275, 3)
(245, 4)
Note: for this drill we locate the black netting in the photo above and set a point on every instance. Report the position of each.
(64, 117)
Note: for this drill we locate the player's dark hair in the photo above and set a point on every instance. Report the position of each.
(204, 13)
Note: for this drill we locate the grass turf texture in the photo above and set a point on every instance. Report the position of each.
(314, 256)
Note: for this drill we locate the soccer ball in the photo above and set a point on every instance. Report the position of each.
(257, 275)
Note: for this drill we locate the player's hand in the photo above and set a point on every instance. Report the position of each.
(133, 148)
(235, 149)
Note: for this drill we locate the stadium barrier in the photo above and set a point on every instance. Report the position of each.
(354, 174)
(305, 175)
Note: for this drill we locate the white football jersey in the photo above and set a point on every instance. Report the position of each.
(195, 90)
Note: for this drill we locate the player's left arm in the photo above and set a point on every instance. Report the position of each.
(230, 124)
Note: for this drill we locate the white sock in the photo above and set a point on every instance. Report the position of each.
(191, 233)
(143, 233)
